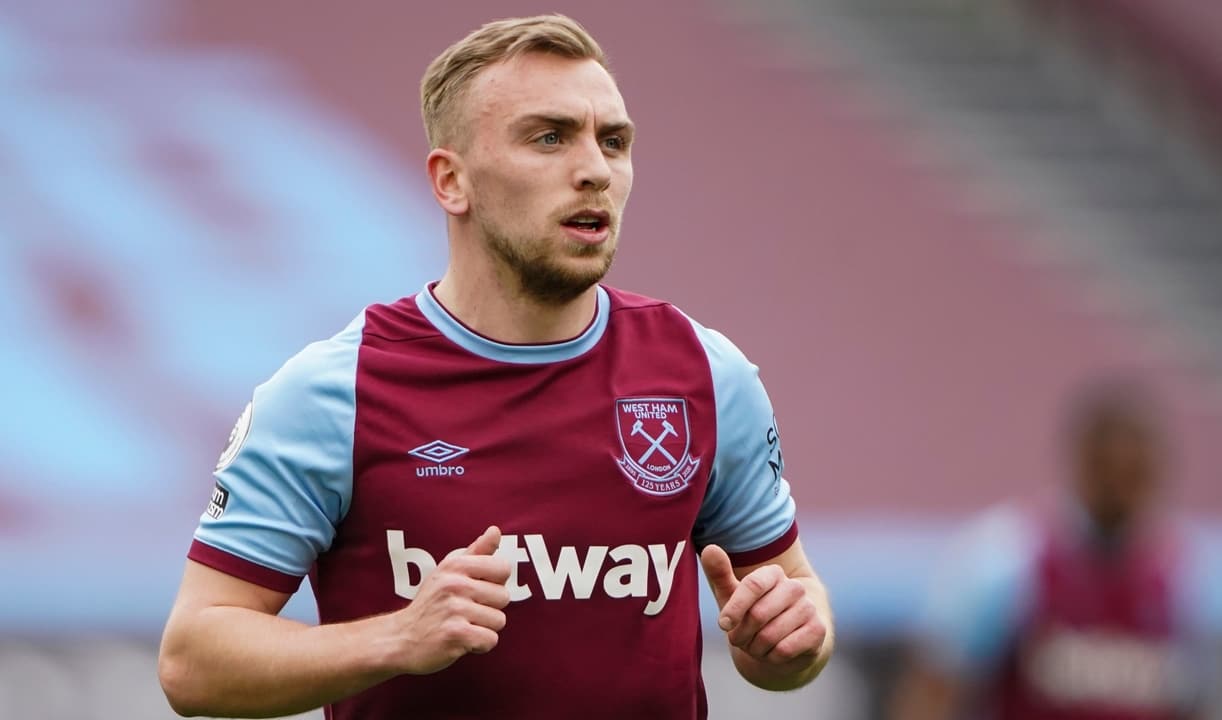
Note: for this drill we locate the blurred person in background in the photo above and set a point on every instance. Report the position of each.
(1086, 608)
(608, 434)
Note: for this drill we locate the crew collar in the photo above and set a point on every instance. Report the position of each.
(523, 354)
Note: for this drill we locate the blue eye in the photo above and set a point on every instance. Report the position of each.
(614, 142)
(551, 138)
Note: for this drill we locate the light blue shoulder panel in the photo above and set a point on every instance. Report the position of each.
(747, 504)
(287, 474)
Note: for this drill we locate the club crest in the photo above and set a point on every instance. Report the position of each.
(653, 433)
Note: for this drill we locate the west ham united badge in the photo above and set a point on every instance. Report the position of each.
(653, 433)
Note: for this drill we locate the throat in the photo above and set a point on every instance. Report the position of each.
(516, 318)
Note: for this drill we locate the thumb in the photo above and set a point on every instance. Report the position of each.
(487, 543)
(720, 572)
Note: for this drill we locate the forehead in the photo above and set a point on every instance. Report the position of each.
(544, 83)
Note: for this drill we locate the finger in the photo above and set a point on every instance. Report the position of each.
(487, 543)
(484, 616)
(806, 641)
(750, 589)
(779, 628)
(783, 595)
(480, 640)
(490, 594)
(720, 572)
(479, 567)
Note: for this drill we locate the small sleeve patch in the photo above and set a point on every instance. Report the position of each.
(220, 498)
(237, 438)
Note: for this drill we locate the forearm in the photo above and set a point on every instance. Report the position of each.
(801, 670)
(236, 662)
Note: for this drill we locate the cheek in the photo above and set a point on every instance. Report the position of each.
(625, 184)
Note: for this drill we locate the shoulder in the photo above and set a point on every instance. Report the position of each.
(401, 320)
(622, 300)
(722, 353)
(312, 392)
(322, 364)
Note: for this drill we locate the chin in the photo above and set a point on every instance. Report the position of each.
(564, 282)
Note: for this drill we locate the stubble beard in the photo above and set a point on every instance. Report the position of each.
(539, 274)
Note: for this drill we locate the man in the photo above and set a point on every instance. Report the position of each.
(1091, 611)
(499, 485)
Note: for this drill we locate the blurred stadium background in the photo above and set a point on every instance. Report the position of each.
(929, 221)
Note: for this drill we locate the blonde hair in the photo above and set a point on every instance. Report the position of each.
(447, 78)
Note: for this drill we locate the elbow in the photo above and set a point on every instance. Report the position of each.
(174, 674)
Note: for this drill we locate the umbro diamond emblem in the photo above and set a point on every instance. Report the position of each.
(439, 452)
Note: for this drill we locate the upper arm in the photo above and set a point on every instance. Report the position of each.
(285, 482)
(747, 509)
(204, 587)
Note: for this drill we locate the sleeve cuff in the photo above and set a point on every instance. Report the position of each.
(242, 568)
(767, 552)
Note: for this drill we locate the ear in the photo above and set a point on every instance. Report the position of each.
(445, 169)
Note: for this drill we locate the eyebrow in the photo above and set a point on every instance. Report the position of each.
(570, 123)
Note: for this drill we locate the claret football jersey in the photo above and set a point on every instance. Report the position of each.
(607, 461)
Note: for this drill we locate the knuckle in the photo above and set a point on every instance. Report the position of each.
(794, 588)
(769, 637)
(756, 582)
(481, 641)
(453, 628)
(453, 563)
(448, 583)
(759, 614)
(741, 638)
(783, 652)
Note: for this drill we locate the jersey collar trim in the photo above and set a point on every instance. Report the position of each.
(490, 349)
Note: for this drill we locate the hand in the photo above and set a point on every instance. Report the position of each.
(766, 615)
(458, 610)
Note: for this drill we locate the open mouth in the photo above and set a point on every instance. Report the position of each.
(588, 220)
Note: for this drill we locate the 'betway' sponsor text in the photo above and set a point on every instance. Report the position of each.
(627, 574)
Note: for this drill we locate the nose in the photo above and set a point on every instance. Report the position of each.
(592, 171)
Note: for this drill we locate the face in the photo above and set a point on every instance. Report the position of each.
(547, 171)
(1117, 469)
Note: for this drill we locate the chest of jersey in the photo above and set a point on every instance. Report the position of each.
(1100, 641)
(594, 468)
(609, 449)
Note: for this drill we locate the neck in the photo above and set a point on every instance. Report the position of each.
(495, 307)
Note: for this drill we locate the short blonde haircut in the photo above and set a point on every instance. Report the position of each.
(446, 81)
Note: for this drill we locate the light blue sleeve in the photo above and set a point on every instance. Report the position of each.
(747, 505)
(1198, 598)
(285, 481)
(979, 595)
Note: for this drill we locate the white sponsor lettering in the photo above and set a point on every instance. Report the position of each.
(567, 570)
(1073, 667)
(627, 576)
(630, 576)
(664, 571)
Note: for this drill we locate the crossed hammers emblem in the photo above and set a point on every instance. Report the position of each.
(655, 443)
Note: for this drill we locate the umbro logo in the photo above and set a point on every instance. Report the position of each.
(439, 452)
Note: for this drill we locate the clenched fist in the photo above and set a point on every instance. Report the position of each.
(458, 610)
(771, 619)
